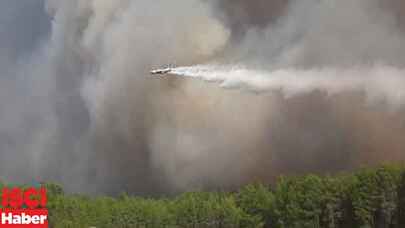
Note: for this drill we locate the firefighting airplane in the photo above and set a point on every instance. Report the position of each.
(163, 71)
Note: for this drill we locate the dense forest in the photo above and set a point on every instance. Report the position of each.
(365, 198)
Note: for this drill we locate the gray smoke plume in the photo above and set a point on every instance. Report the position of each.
(241, 15)
(77, 105)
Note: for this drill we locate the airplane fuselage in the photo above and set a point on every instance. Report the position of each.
(161, 71)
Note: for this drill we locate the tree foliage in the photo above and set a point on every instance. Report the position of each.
(366, 198)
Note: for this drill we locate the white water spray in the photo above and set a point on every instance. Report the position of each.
(376, 81)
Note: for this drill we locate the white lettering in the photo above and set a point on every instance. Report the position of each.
(23, 219)
(43, 219)
(35, 219)
(6, 218)
(17, 219)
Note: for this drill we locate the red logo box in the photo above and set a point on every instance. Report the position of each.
(24, 208)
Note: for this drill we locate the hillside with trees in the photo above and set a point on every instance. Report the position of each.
(365, 198)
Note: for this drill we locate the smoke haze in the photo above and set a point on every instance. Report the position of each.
(77, 105)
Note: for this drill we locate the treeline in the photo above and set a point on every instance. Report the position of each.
(366, 198)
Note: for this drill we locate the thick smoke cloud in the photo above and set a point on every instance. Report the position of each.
(327, 54)
(78, 107)
(23, 24)
(89, 109)
(241, 15)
